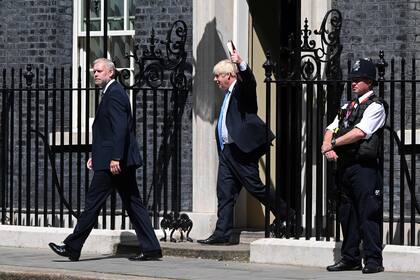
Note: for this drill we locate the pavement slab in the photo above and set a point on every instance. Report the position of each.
(24, 263)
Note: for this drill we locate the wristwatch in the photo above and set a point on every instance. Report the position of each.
(333, 143)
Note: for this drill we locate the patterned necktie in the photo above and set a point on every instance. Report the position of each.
(101, 95)
(220, 121)
(351, 106)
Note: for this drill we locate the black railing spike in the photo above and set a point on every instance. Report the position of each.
(381, 65)
(305, 33)
(29, 76)
(268, 67)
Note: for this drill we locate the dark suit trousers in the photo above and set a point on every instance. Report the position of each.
(361, 213)
(102, 185)
(237, 169)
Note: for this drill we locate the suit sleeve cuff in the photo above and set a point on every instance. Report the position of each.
(242, 66)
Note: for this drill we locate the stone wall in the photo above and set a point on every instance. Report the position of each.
(370, 26)
(36, 32)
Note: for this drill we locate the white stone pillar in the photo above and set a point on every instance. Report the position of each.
(212, 27)
(314, 11)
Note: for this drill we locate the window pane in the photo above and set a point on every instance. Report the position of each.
(95, 15)
(131, 14)
(116, 14)
(121, 46)
(96, 48)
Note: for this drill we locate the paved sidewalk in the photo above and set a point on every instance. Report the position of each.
(22, 263)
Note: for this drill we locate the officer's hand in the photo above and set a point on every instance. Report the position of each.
(331, 155)
(326, 147)
(114, 167)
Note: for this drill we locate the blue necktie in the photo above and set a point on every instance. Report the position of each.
(219, 122)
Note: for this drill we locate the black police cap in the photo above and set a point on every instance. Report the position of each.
(363, 68)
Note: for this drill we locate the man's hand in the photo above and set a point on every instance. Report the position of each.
(326, 147)
(331, 155)
(326, 144)
(235, 58)
(114, 167)
(89, 164)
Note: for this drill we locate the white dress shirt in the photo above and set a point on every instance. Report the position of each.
(225, 133)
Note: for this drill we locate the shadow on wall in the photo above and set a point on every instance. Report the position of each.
(207, 98)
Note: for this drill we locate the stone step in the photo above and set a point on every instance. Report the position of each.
(238, 252)
(248, 236)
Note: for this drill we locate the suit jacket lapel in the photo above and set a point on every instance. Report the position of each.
(104, 96)
(232, 95)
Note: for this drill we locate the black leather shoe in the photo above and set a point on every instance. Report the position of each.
(214, 240)
(65, 251)
(279, 227)
(147, 256)
(372, 268)
(343, 266)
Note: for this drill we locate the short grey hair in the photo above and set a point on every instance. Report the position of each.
(109, 64)
(225, 66)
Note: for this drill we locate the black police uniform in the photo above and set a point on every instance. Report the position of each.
(360, 182)
(361, 190)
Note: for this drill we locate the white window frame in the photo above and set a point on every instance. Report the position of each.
(79, 55)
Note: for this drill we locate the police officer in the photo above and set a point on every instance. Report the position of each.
(352, 140)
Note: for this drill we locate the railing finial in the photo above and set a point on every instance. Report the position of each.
(29, 76)
(381, 65)
(268, 67)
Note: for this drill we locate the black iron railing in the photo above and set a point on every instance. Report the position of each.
(399, 165)
(46, 138)
(308, 92)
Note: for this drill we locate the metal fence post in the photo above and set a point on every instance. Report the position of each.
(268, 67)
(3, 150)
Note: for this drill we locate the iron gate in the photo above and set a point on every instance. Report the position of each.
(308, 92)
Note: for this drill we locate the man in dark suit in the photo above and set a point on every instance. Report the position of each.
(115, 158)
(241, 141)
